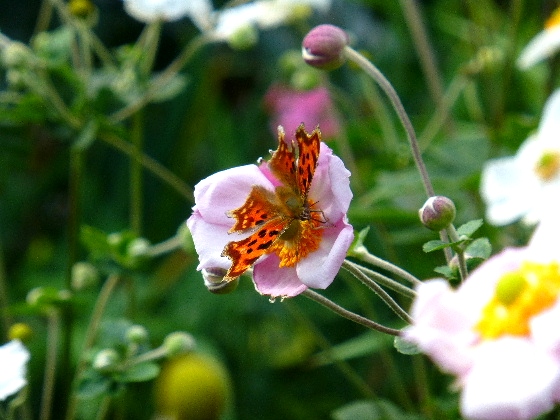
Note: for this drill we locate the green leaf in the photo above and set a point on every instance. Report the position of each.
(172, 88)
(140, 373)
(479, 248)
(405, 347)
(448, 272)
(95, 240)
(469, 228)
(365, 344)
(434, 245)
(93, 385)
(372, 410)
(357, 248)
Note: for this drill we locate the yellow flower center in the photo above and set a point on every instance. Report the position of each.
(548, 165)
(553, 20)
(519, 296)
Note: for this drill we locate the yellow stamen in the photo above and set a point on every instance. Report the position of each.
(548, 165)
(520, 295)
(553, 20)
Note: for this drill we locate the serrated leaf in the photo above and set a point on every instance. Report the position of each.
(469, 228)
(434, 245)
(479, 248)
(405, 347)
(140, 373)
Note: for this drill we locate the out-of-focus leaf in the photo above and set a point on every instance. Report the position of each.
(93, 386)
(171, 89)
(140, 373)
(372, 410)
(405, 347)
(362, 345)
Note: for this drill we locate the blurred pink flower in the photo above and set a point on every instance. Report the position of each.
(290, 107)
(306, 253)
(498, 332)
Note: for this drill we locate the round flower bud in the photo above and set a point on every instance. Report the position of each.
(137, 334)
(20, 331)
(84, 275)
(106, 360)
(178, 342)
(437, 213)
(323, 47)
(138, 247)
(192, 386)
(81, 8)
(215, 283)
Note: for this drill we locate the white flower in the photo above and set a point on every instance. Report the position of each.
(13, 360)
(524, 185)
(543, 45)
(169, 10)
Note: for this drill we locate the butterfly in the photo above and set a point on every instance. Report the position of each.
(282, 220)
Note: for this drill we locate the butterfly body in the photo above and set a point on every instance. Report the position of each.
(281, 220)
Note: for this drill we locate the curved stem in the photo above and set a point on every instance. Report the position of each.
(374, 72)
(385, 281)
(91, 332)
(365, 256)
(385, 297)
(345, 313)
(164, 247)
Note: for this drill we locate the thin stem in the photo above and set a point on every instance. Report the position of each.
(422, 385)
(454, 237)
(53, 333)
(150, 164)
(162, 79)
(386, 281)
(136, 193)
(44, 17)
(358, 319)
(374, 72)
(423, 48)
(165, 246)
(365, 256)
(91, 332)
(4, 314)
(385, 297)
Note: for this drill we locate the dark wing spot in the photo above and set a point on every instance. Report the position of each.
(273, 233)
(253, 242)
(262, 234)
(265, 245)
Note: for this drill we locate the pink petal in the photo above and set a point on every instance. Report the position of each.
(209, 241)
(319, 268)
(225, 191)
(510, 379)
(274, 281)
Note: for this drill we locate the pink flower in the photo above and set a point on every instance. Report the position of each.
(290, 107)
(498, 332)
(308, 253)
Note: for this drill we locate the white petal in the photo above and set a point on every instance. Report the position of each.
(549, 126)
(543, 45)
(13, 360)
(510, 379)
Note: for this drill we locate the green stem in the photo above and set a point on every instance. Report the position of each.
(91, 333)
(365, 256)
(386, 281)
(385, 297)
(53, 333)
(5, 316)
(44, 17)
(175, 66)
(150, 164)
(386, 86)
(422, 385)
(454, 237)
(165, 247)
(358, 319)
(136, 193)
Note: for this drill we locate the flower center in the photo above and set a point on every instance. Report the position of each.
(300, 239)
(519, 296)
(548, 165)
(553, 20)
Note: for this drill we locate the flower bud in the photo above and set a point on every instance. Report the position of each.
(137, 334)
(178, 342)
(81, 8)
(138, 247)
(437, 213)
(84, 275)
(106, 360)
(20, 331)
(215, 283)
(323, 47)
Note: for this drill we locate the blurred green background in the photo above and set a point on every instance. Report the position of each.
(277, 353)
